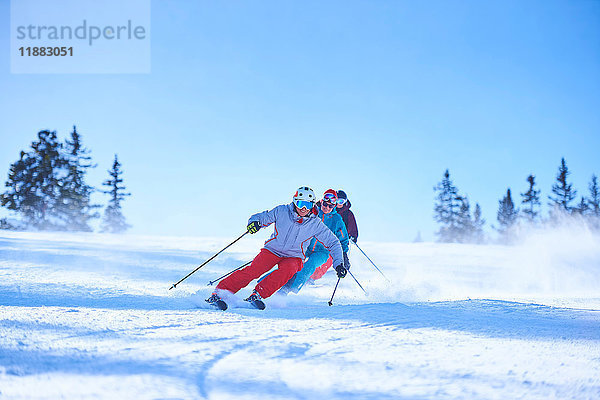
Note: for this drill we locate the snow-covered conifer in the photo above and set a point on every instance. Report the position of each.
(113, 220)
(531, 201)
(34, 183)
(74, 205)
(507, 215)
(563, 191)
(446, 209)
(478, 236)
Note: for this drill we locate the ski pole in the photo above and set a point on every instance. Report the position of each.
(229, 273)
(361, 250)
(355, 280)
(333, 294)
(207, 261)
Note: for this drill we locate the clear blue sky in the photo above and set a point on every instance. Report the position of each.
(247, 101)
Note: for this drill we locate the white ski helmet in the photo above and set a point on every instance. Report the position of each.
(305, 194)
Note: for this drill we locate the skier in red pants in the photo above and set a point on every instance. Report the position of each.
(295, 225)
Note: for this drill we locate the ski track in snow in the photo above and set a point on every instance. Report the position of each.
(89, 316)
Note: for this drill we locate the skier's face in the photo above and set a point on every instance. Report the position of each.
(303, 212)
(326, 208)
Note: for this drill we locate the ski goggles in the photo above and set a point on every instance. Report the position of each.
(341, 202)
(303, 204)
(330, 198)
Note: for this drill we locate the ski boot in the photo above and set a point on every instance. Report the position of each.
(215, 300)
(256, 300)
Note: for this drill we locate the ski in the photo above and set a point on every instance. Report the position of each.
(256, 300)
(215, 301)
(220, 304)
(258, 304)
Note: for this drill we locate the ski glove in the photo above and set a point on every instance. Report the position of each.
(353, 239)
(341, 271)
(346, 261)
(253, 227)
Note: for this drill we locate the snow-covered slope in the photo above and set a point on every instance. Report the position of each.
(91, 316)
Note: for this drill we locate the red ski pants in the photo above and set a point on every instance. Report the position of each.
(262, 263)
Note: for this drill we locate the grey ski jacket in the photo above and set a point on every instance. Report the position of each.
(292, 234)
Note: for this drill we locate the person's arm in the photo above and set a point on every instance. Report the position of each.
(331, 242)
(352, 228)
(342, 234)
(265, 218)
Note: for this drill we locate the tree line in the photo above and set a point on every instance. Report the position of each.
(452, 210)
(47, 188)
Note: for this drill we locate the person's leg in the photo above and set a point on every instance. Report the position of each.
(290, 285)
(285, 289)
(315, 260)
(320, 271)
(287, 267)
(264, 261)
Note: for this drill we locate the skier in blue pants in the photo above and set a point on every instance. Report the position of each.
(317, 253)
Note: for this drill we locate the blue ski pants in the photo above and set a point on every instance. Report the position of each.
(310, 265)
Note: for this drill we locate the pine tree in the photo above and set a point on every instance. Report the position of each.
(464, 226)
(531, 200)
(446, 209)
(594, 200)
(34, 183)
(507, 214)
(75, 205)
(563, 191)
(582, 208)
(22, 196)
(478, 235)
(114, 221)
